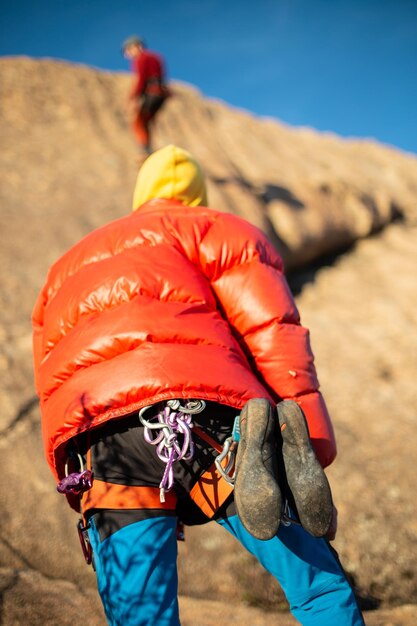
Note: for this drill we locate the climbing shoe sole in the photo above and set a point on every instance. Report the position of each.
(305, 476)
(257, 494)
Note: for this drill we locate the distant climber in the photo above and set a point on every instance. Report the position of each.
(148, 92)
(177, 386)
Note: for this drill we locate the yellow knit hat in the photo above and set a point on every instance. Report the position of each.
(171, 173)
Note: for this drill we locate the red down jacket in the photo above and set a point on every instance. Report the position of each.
(171, 301)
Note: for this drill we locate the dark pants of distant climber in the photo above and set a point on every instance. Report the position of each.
(147, 106)
(135, 549)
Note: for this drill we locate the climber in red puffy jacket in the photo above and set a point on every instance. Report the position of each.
(183, 314)
(149, 90)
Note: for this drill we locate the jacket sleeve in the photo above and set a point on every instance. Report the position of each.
(246, 274)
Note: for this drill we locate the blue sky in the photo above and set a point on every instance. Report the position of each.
(344, 66)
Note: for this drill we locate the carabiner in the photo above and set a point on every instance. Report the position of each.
(85, 541)
(228, 450)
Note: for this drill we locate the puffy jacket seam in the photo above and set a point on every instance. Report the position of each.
(296, 396)
(110, 308)
(254, 259)
(198, 342)
(104, 257)
(301, 394)
(255, 368)
(276, 320)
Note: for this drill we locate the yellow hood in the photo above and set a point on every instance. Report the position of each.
(170, 173)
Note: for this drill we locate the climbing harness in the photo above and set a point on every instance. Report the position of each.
(75, 483)
(171, 422)
(171, 431)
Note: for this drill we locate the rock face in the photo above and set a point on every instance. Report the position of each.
(68, 165)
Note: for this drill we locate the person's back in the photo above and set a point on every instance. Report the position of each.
(187, 293)
(183, 313)
(149, 66)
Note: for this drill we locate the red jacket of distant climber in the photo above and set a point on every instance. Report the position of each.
(172, 301)
(148, 66)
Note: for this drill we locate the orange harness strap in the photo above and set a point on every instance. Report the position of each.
(205, 437)
(104, 495)
(211, 490)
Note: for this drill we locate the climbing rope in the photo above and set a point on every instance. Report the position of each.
(163, 431)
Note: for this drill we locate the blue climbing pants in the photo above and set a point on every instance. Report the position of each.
(136, 569)
(137, 574)
(308, 571)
